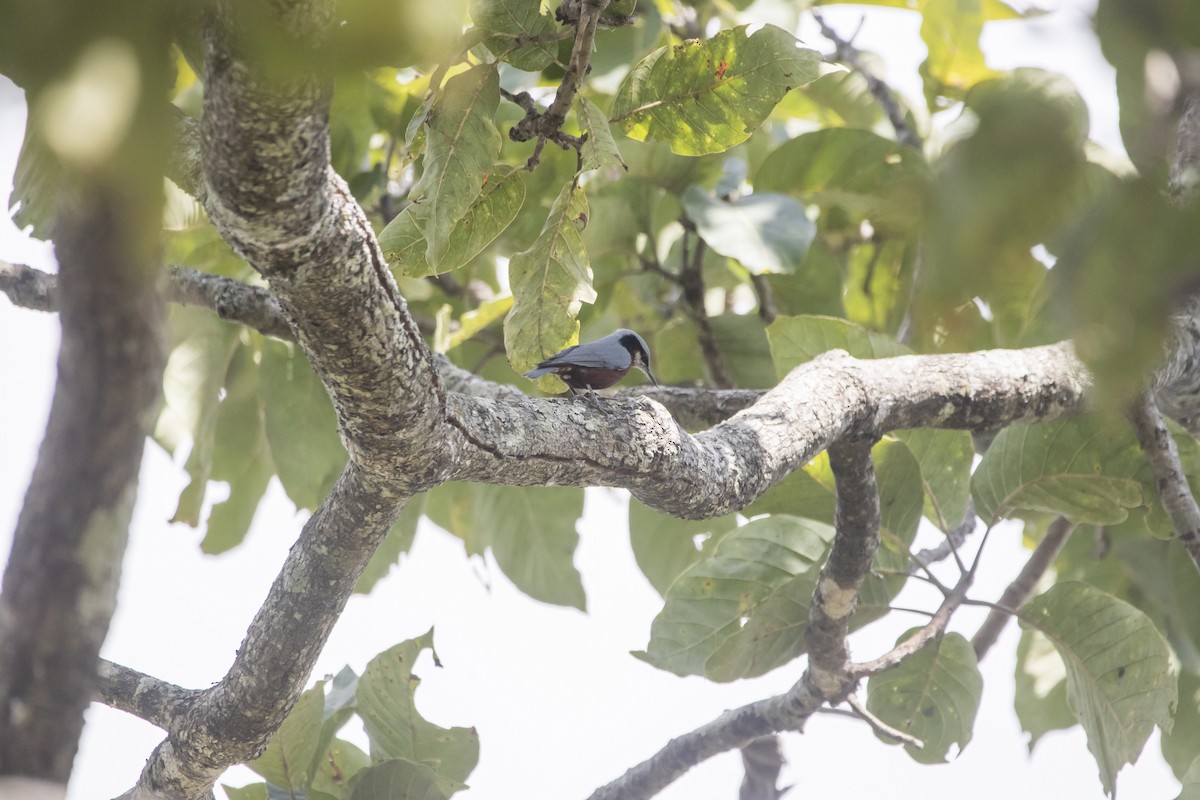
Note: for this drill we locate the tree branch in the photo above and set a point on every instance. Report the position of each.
(879, 726)
(1174, 491)
(1021, 589)
(154, 700)
(691, 281)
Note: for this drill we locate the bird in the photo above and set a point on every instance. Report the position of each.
(598, 364)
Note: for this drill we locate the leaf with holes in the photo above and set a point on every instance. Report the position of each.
(1119, 678)
(933, 695)
(707, 96)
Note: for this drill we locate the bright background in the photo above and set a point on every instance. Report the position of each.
(560, 705)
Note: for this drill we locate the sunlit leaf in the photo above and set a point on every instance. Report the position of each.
(599, 149)
(462, 143)
(706, 96)
(517, 31)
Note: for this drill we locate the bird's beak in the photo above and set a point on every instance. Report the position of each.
(646, 370)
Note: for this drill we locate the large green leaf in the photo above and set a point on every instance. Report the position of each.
(665, 546)
(241, 454)
(798, 340)
(290, 757)
(396, 731)
(1085, 468)
(462, 143)
(706, 96)
(549, 281)
(1040, 688)
(401, 779)
(765, 568)
(765, 232)
(1181, 745)
(493, 210)
(532, 534)
(857, 171)
(301, 425)
(1119, 679)
(933, 695)
(945, 458)
(516, 31)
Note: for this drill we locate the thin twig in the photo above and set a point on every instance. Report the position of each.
(691, 280)
(953, 539)
(882, 728)
(1021, 589)
(883, 94)
(1177, 498)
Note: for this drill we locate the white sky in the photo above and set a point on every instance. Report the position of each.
(560, 706)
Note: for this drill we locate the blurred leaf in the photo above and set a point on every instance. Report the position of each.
(1181, 745)
(1191, 782)
(385, 697)
(1119, 680)
(255, 791)
(341, 761)
(860, 172)
(241, 454)
(765, 567)
(395, 33)
(665, 546)
(290, 757)
(706, 96)
(1040, 688)
(1085, 468)
(301, 425)
(950, 30)
(840, 97)
(492, 211)
(933, 695)
(473, 322)
(946, 458)
(461, 146)
(742, 339)
(550, 280)
(764, 232)
(599, 149)
(399, 540)
(1123, 270)
(401, 779)
(815, 288)
(517, 31)
(36, 185)
(531, 531)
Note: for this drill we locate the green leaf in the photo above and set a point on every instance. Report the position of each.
(532, 534)
(476, 320)
(742, 339)
(1040, 693)
(301, 425)
(1085, 468)
(665, 546)
(490, 213)
(241, 454)
(764, 569)
(765, 232)
(398, 540)
(599, 149)
(462, 143)
(798, 340)
(934, 696)
(505, 24)
(1119, 679)
(290, 757)
(195, 372)
(706, 96)
(550, 281)
(336, 769)
(385, 698)
(950, 30)
(1181, 745)
(864, 174)
(946, 458)
(1191, 782)
(401, 779)
(255, 791)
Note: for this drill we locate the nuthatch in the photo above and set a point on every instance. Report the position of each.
(598, 364)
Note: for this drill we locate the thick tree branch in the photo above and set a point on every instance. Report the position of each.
(557, 442)
(1021, 589)
(1159, 446)
(154, 700)
(60, 582)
